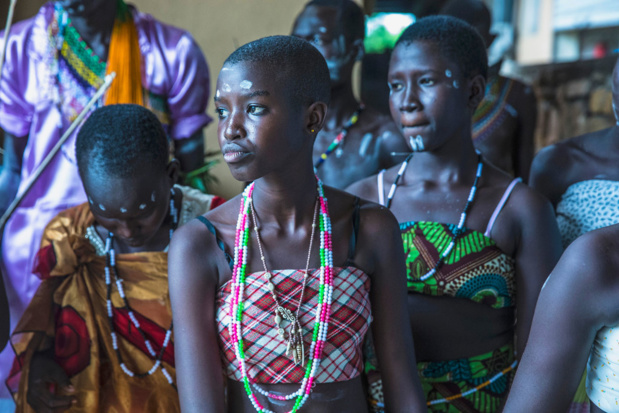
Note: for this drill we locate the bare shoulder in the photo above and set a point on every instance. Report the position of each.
(366, 188)
(587, 274)
(594, 256)
(196, 248)
(555, 168)
(374, 218)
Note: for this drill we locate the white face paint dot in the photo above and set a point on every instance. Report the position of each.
(226, 87)
(456, 84)
(123, 210)
(322, 29)
(152, 196)
(101, 207)
(142, 206)
(246, 84)
(448, 73)
(90, 200)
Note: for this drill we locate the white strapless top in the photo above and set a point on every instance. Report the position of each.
(603, 370)
(585, 206)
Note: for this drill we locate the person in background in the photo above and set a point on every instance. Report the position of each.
(55, 62)
(356, 141)
(504, 122)
(97, 336)
(581, 179)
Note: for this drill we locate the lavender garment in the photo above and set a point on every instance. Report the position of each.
(173, 66)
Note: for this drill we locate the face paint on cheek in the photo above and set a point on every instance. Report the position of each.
(142, 206)
(456, 84)
(101, 207)
(152, 196)
(123, 210)
(416, 143)
(226, 87)
(448, 73)
(322, 29)
(246, 84)
(90, 200)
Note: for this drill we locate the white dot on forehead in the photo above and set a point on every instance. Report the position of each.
(448, 73)
(322, 29)
(101, 207)
(123, 210)
(226, 87)
(246, 84)
(142, 206)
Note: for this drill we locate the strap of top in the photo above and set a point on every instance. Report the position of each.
(500, 206)
(220, 243)
(381, 187)
(352, 244)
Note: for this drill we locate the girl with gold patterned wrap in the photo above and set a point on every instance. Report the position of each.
(93, 256)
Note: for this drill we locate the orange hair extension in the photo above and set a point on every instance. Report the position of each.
(125, 59)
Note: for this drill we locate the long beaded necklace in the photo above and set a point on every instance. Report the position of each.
(110, 269)
(339, 138)
(459, 230)
(294, 337)
(323, 311)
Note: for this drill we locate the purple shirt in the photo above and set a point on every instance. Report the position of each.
(172, 66)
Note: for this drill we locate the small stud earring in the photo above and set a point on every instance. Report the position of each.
(312, 130)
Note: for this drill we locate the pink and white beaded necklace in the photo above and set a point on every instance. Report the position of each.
(323, 311)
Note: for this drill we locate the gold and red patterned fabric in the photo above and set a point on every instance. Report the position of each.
(68, 318)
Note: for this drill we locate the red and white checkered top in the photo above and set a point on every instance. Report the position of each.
(265, 356)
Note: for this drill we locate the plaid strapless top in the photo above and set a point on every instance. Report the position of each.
(265, 351)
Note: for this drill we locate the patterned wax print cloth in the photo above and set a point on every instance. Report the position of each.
(68, 318)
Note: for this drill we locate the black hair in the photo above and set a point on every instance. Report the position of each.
(474, 12)
(349, 16)
(121, 141)
(456, 40)
(296, 61)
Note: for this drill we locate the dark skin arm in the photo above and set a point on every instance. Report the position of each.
(579, 299)
(537, 251)
(11, 168)
(525, 104)
(190, 151)
(193, 280)
(390, 328)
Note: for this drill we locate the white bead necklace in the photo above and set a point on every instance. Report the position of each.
(110, 270)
